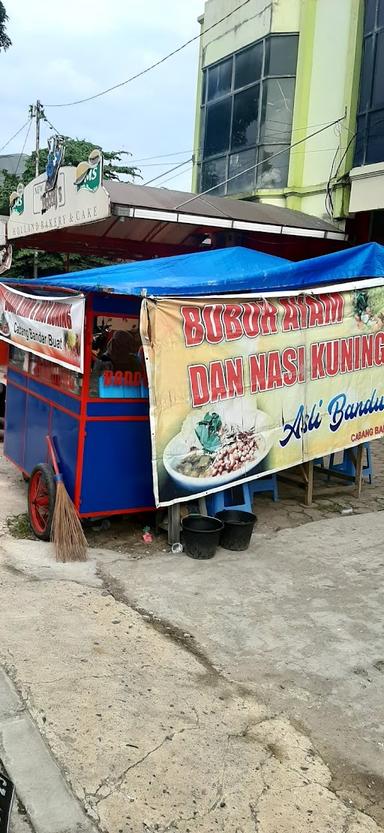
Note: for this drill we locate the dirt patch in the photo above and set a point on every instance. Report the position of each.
(123, 534)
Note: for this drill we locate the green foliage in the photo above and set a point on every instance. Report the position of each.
(50, 263)
(76, 150)
(5, 41)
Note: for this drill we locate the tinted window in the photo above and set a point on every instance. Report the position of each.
(281, 55)
(218, 127)
(370, 15)
(245, 117)
(375, 144)
(360, 140)
(278, 96)
(378, 77)
(214, 172)
(204, 87)
(239, 162)
(219, 79)
(248, 65)
(366, 73)
(369, 140)
(247, 102)
(272, 173)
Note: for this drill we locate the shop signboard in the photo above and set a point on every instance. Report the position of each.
(241, 387)
(50, 327)
(60, 198)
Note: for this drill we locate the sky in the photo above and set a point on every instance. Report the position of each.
(62, 51)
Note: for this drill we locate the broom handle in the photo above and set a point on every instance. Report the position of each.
(53, 456)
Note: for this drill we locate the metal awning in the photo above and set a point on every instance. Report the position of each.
(129, 221)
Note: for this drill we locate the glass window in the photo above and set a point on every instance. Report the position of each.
(367, 73)
(278, 99)
(218, 124)
(248, 65)
(19, 358)
(360, 140)
(53, 374)
(239, 162)
(219, 79)
(204, 87)
(380, 13)
(378, 75)
(118, 367)
(375, 143)
(370, 15)
(273, 172)
(214, 172)
(281, 55)
(245, 117)
(243, 108)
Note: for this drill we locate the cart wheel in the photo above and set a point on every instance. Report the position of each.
(41, 500)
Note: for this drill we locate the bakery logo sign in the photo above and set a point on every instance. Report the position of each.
(89, 174)
(50, 193)
(16, 200)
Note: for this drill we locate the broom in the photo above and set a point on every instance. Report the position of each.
(66, 531)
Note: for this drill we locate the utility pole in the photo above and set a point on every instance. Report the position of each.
(37, 112)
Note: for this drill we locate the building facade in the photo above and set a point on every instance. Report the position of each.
(272, 79)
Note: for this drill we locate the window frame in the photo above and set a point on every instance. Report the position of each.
(261, 82)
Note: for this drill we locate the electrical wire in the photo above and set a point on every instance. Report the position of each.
(180, 165)
(14, 135)
(262, 162)
(159, 62)
(23, 148)
(187, 170)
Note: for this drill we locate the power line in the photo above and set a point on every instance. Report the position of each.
(23, 148)
(160, 176)
(14, 135)
(262, 162)
(157, 63)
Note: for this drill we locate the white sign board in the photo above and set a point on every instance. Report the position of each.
(77, 198)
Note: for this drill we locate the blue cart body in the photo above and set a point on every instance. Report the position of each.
(103, 444)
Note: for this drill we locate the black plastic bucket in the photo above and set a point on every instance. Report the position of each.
(201, 535)
(237, 529)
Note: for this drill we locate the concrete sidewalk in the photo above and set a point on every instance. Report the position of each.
(174, 696)
(298, 618)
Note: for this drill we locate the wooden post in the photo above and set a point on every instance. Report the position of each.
(359, 469)
(308, 468)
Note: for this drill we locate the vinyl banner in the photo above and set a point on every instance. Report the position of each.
(51, 327)
(243, 387)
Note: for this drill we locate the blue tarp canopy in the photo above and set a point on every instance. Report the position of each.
(224, 271)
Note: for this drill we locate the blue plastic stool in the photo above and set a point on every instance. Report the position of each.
(347, 466)
(241, 496)
(265, 484)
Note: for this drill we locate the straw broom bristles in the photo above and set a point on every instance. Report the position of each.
(66, 531)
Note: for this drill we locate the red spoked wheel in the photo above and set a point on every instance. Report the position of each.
(41, 500)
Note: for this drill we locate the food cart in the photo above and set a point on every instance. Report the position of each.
(88, 391)
(97, 410)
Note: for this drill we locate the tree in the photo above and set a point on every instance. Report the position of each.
(5, 41)
(76, 151)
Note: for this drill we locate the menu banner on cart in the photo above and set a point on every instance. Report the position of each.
(51, 327)
(242, 387)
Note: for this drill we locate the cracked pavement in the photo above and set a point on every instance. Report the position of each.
(149, 734)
